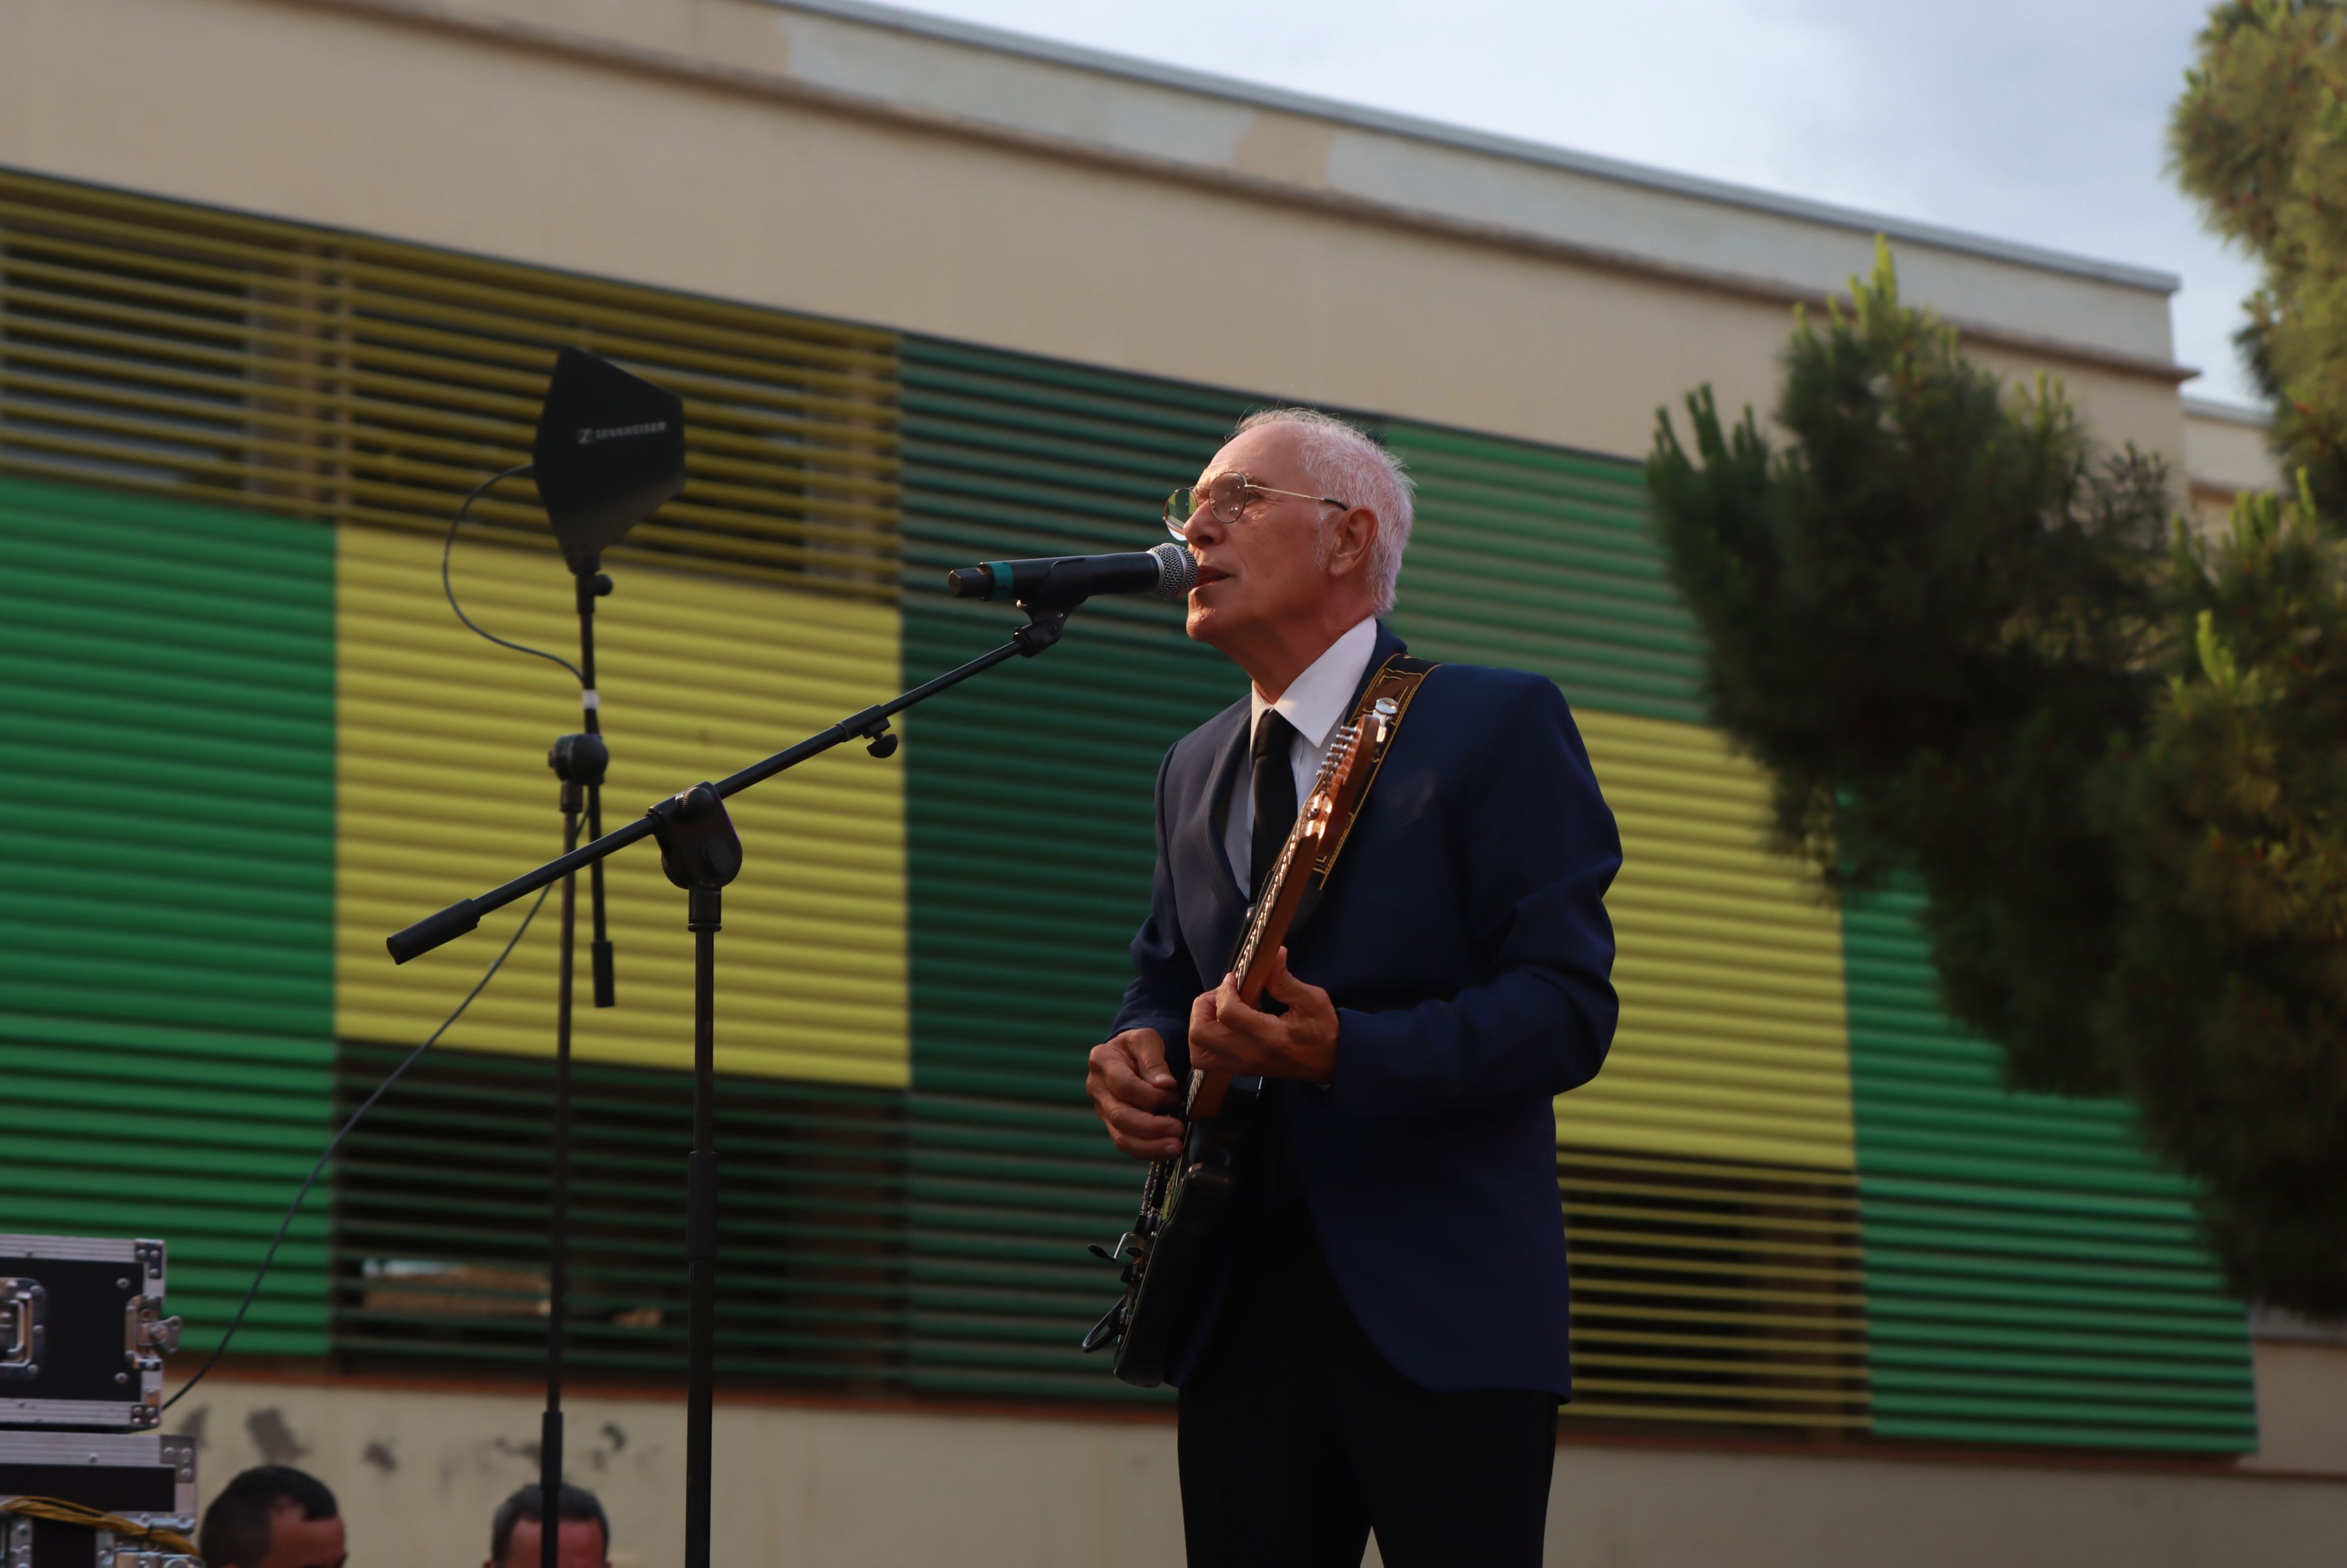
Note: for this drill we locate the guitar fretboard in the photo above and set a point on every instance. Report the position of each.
(1314, 811)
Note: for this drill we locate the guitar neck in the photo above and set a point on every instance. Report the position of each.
(1275, 913)
(1322, 821)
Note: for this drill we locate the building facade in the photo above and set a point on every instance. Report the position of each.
(279, 281)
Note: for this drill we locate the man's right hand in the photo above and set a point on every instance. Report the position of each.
(1132, 1088)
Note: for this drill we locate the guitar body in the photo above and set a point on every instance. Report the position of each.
(1200, 1204)
(1189, 1205)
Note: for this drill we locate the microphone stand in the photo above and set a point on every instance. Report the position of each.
(701, 853)
(580, 762)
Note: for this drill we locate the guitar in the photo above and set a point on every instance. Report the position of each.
(1189, 1201)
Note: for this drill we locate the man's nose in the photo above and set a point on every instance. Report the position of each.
(1204, 528)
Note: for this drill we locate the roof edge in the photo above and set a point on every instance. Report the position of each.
(1360, 117)
(2231, 413)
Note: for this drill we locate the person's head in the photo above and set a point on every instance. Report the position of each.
(273, 1516)
(517, 1535)
(1309, 543)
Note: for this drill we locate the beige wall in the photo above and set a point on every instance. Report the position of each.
(611, 162)
(2225, 453)
(2225, 448)
(2302, 1407)
(418, 1474)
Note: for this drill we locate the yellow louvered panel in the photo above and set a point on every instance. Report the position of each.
(1715, 1291)
(442, 791)
(156, 346)
(1733, 1042)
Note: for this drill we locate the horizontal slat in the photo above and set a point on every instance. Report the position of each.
(1689, 1275)
(444, 791)
(165, 875)
(297, 370)
(440, 1254)
(1545, 559)
(1732, 1039)
(2032, 1277)
(1006, 456)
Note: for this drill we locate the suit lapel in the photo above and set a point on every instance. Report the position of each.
(1213, 909)
(1230, 755)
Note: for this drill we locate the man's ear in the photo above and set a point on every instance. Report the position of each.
(1350, 538)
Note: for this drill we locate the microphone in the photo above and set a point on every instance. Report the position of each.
(1168, 571)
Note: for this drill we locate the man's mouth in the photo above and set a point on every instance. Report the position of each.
(1209, 575)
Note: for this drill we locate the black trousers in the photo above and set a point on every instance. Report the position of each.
(1297, 1439)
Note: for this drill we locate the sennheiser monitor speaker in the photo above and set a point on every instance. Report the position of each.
(609, 452)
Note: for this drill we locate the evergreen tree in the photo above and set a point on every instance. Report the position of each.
(1969, 650)
(2230, 989)
(2259, 138)
(1928, 616)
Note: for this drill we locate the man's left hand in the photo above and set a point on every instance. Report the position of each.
(1228, 1036)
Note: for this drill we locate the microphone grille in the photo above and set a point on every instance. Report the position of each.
(1177, 571)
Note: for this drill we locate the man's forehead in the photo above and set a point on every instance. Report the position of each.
(1268, 452)
(312, 1542)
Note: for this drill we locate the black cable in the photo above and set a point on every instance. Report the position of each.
(310, 1181)
(448, 546)
(252, 1291)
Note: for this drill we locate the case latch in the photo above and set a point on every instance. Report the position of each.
(23, 1335)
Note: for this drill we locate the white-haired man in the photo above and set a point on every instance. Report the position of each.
(1387, 1339)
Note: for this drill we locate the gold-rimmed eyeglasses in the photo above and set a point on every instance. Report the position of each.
(1226, 496)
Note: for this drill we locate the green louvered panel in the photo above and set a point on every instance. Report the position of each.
(167, 889)
(1543, 559)
(1029, 802)
(2031, 1278)
(1006, 1196)
(1028, 839)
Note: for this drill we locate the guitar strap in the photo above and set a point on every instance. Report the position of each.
(1388, 695)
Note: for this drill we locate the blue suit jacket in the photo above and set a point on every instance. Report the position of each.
(1465, 942)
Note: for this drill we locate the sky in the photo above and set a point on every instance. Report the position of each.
(2041, 121)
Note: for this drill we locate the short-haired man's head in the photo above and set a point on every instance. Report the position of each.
(1347, 463)
(575, 1504)
(239, 1529)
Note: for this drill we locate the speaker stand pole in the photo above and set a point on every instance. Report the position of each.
(549, 1432)
(580, 762)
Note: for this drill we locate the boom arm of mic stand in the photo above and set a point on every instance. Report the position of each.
(1043, 629)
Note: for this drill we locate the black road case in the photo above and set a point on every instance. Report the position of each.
(82, 1333)
(146, 1479)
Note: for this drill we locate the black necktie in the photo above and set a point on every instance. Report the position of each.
(1275, 794)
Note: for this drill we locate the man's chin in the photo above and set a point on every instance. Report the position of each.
(1205, 623)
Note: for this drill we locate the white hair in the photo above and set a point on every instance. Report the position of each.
(1346, 464)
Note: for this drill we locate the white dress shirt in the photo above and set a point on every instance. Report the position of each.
(1315, 703)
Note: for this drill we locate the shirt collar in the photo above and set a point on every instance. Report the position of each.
(1315, 700)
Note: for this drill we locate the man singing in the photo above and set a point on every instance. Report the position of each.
(1386, 1342)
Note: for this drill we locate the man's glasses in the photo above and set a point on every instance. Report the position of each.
(1226, 498)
